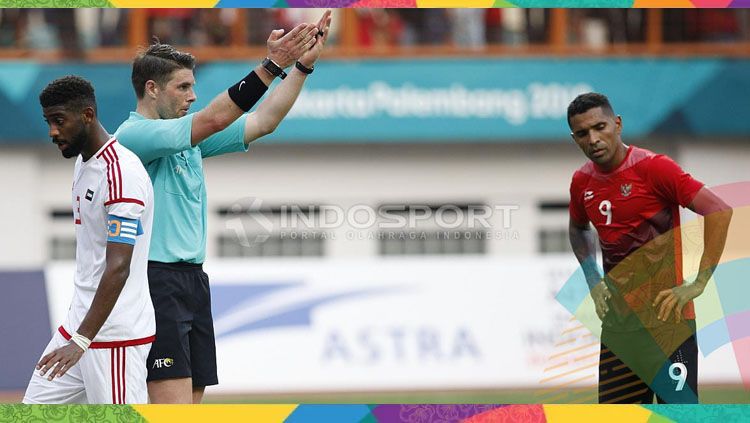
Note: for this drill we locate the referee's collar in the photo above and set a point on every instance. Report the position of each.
(136, 115)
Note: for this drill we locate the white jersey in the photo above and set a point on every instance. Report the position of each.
(112, 202)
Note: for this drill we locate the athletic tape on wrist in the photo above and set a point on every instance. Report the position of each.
(247, 92)
(81, 341)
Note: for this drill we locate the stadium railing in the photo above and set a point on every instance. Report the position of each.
(557, 43)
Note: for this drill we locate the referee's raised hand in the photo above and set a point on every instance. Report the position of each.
(322, 30)
(284, 51)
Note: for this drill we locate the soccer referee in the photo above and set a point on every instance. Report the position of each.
(172, 143)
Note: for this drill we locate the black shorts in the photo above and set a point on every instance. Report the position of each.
(667, 369)
(185, 344)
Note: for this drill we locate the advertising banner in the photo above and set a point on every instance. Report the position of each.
(435, 100)
(396, 324)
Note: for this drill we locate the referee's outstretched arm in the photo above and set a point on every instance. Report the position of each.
(273, 109)
(242, 96)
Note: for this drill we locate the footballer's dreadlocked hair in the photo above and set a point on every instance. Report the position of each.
(156, 63)
(71, 91)
(588, 101)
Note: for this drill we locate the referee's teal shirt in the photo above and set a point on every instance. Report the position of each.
(176, 171)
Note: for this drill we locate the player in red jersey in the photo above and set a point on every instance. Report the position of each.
(632, 197)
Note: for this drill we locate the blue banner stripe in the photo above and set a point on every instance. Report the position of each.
(438, 100)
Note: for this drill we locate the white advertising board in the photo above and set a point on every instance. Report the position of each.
(311, 325)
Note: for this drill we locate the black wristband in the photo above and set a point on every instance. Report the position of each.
(304, 69)
(247, 92)
(271, 67)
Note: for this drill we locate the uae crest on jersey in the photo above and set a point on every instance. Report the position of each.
(625, 189)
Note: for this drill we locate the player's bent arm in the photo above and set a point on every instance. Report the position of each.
(583, 241)
(222, 110)
(717, 216)
(116, 272)
(273, 109)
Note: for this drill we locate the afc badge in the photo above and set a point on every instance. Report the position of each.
(625, 189)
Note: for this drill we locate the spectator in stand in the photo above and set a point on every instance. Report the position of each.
(537, 25)
(377, 27)
(13, 24)
(424, 26)
(468, 27)
(712, 25)
(112, 24)
(171, 26)
(64, 21)
(213, 27)
(493, 24)
(260, 23)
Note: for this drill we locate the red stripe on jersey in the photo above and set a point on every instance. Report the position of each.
(111, 344)
(116, 173)
(125, 200)
(78, 209)
(112, 169)
(123, 376)
(109, 175)
(112, 371)
(119, 377)
(106, 146)
(119, 173)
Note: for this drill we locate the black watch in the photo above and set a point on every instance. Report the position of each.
(273, 68)
(304, 69)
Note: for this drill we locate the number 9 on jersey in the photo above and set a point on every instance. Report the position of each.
(605, 208)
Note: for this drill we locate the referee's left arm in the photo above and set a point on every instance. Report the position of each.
(272, 110)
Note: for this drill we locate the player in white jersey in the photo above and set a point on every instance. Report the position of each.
(98, 355)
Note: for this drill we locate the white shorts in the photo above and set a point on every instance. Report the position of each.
(101, 376)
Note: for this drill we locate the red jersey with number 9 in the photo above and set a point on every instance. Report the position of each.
(635, 210)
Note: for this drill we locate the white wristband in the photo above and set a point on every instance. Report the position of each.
(81, 341)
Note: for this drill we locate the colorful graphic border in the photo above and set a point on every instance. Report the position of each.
(391, 412)
(362, 413)
(380, 3)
